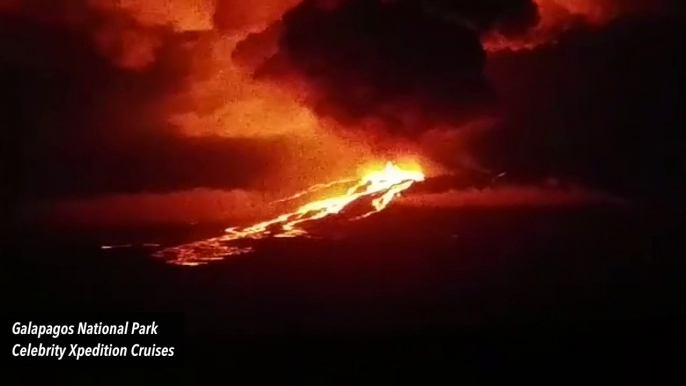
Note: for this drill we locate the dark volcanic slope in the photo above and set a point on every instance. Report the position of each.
(501, 281)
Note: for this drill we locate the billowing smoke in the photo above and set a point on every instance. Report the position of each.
(128, 96)
(408, 67)
(131, 33)
(402, 66)
(557, 16)
(101, 97)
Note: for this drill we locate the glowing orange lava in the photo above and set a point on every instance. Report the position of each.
(378, 186)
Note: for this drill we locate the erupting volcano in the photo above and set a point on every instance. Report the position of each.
(375, 190)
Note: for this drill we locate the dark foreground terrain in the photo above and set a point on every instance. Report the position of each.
(556, 291)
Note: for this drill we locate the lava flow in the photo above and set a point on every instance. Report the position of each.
(379, 186)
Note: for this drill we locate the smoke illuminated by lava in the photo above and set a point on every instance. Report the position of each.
(376, 188)
(257, 96)
(557, 16)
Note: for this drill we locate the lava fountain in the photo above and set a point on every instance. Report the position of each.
(376, 189)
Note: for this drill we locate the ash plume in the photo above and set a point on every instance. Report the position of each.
(403, 66)
(407, 67)
(136, 96)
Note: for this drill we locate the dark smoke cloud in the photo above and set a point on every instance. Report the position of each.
(506, 16)
(409, 65)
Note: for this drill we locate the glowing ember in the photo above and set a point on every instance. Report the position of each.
(380, 187)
